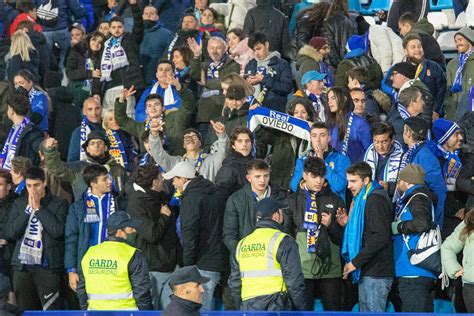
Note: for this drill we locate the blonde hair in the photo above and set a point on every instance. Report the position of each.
(21, 45)
(106, 114)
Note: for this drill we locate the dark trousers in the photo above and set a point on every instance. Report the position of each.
(468, 294)
(415, 294)
(328, 290)
(37, 289)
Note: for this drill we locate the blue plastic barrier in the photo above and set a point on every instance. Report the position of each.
(139, 313)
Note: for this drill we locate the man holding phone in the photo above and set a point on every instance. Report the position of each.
(311, 219)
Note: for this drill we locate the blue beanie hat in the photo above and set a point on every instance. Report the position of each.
(357, 45)
(443, 129)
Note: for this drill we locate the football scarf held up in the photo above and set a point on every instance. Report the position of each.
(117, 148)
(311, 221)
(84, 131)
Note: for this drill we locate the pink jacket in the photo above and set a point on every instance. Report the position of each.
(242, 54)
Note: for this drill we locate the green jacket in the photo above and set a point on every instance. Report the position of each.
(211, 107)
(72, 171)
(176, 122)
(451, 100)
(308, 59)
(454, 245)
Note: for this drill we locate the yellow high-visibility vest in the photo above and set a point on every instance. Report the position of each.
(260, 271)
(105, 269)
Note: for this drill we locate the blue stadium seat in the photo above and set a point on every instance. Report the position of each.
(367, 7)
(441, 5)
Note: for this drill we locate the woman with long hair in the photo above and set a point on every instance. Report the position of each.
(23, 55)
(329, 20)
(350, 133)
(39, 99)
(83, 67)
(239, 50)
(462, 239)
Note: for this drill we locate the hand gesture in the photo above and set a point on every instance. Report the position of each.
(97, 97)
(326, 219)
(165, 210)
(73, 279)
(348, 268)
(172, 80)
(34, 200)
(218, 127)
(156, 126)
(341, 216)
(195, 47)
(319, 152)
(50, 143)
(460, 214)
(126, 93)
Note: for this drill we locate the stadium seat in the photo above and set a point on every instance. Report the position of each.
(440, 5)
(438, 19)
(460, 22)
(367, 7)
(446, 41)
(369, 19)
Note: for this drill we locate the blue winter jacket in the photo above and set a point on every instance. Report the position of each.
(432, 75)
(359, 138)
(415, 219)
(336, 165)
(39, 104)
(66, 9)
(155, 42)
(279, 85)
(433, 178)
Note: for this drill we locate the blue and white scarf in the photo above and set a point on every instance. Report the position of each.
(324, 69)
(91, 210)
(114, 57)
(403, 111)
(180, 74)
(471, 98)
(390, 171)
(9, 149)
(171, 98)
(352, 242)
(407, 157)
(84, 131)
(452, 167)
(20, 187)
(311, 221)
(117, 148)
(199, 160)
(347, 135)
(213, 69)
(266, 194)
(280, 121)
(457, 84)
(317, 106)
(88, 82)
(31, 249)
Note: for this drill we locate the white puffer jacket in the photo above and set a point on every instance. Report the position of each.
(234, 12)
(385, 46)
(470, 14)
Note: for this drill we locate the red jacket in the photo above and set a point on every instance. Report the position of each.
(22, 17)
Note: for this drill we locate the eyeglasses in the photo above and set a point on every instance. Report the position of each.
(194, 137)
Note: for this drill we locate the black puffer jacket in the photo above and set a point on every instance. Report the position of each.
(7, 250)
(273, 23)
(52, 215)
(202, 210)
(232, 175)
(156, 237)
(39, 42)
(337, 28)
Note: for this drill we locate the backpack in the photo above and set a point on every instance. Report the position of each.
(48, 13)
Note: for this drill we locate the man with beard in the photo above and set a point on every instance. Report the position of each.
(92, 121)
(156, 40)
(96, 148)
(189, 29)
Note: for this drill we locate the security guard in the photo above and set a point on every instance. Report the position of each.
(114, 275)
(266, 270)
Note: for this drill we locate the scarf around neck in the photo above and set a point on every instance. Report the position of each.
(457, 83)
(9, 148)
(311, 221)
(352, 241)
(114, 57)
(171, 98)
(390, 171)
(31, 249)
(84, 131)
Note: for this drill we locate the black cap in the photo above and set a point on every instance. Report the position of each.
(187, 274)
(406, 69)
(417, 125)
(235, 92)
(268, 206)
(95, 135)
(120, 220)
